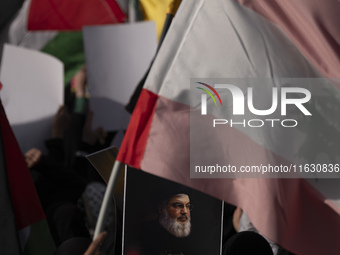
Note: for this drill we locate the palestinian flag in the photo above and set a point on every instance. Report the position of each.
(73, 15)
(24, 229)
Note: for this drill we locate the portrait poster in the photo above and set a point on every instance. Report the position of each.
(162, 217)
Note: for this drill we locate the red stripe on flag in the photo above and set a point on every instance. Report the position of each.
(133, 146)
(26, 203)
(72, 15)
(117, 13)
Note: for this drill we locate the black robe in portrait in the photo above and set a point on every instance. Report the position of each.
(154, 239)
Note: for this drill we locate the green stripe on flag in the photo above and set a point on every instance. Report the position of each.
(68, 47)
(39, 241)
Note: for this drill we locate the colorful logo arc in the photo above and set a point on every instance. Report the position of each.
(209, 93)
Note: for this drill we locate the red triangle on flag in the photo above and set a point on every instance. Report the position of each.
(26, 203)
(73, 15)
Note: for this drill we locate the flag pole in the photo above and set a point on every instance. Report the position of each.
(104, 209)
(173, 6)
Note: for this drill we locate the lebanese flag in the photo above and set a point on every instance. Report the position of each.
(249, 40)
(73, 15)
(24, 229)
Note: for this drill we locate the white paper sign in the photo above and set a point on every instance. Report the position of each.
(32, 92)
(117, 57)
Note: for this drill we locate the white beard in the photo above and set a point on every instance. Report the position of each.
(174, 227)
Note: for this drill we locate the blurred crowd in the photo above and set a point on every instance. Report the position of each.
(71, 190)
(63, 178)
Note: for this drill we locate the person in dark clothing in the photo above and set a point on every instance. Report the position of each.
(58, 186)
(59, 178)
(247, 242)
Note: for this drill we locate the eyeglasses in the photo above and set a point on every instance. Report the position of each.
(179, 206)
